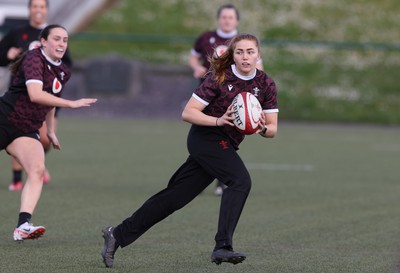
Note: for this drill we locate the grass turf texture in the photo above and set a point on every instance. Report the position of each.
(324, 199)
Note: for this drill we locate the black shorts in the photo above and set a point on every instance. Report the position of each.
(8, 132)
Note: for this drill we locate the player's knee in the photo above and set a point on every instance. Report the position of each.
(242, 183)
(36, 171)
(246, 184)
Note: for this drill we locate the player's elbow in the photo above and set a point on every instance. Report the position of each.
(185, 115)
(34, 98)
(272, 132)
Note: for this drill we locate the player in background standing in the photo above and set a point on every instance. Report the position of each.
(212, 144)
(12, 46)
(39, 77)
(214, 43)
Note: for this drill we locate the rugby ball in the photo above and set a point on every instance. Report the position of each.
(247, 112)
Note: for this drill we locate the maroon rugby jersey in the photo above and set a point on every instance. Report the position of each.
(209, 42)
(16, 104)
(26, 38)
(218, 97)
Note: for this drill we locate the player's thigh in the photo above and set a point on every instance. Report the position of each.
(28, 151)
(225, 165)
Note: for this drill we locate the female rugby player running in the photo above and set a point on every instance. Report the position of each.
(39, 78)
(212, 145)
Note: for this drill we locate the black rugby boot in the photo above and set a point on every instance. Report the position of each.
(110, 246)
(222, 255)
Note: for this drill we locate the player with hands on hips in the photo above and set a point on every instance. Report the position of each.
(39, 77)
(212, 144)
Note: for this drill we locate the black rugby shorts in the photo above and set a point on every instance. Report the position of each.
(8, 133)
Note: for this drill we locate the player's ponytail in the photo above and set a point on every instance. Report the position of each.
(219, 64)
(17, 63)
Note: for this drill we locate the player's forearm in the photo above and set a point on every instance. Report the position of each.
(50, 123)
(47, 99)
(197, 117)
(271, 125)
(194, 62)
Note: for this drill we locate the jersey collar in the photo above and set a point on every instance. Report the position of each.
(49, 59)
(226, 35)
(245, 78)
(40, 27)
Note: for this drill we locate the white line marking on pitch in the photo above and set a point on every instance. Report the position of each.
(386, 148)
(281, 167)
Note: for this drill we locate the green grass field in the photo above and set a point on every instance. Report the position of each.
(324, 199)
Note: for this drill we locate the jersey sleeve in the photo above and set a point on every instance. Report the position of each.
(198, 46)
(5, 44)
(33, 68)
(206, 91)
(270, 101)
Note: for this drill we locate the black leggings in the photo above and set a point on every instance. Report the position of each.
(211, 156)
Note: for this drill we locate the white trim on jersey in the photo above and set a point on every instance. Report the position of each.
(33, 81)
(245, 78)
(268, 111)
(226, 35)
(50, 60)
(200, 99)
(195, 53)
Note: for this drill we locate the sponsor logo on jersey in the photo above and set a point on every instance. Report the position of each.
(57, 86)
(34, 45)
(212, 40)
(230, 87)
(219, 50)
(62, 74)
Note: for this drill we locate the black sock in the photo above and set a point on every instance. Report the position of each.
(24, 217)
(17, 176)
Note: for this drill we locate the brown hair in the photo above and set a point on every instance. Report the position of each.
(220, 63)
(228, 6)
(44, 34)
(30, 3)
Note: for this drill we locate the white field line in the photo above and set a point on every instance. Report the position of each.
(386, 148)
(281, 167)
